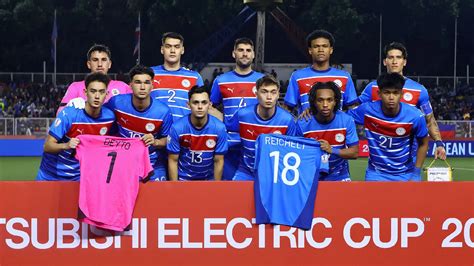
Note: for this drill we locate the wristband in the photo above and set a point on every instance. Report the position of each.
(439, 143)
(336, 151)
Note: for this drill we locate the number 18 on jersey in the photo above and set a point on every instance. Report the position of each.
(287, 173)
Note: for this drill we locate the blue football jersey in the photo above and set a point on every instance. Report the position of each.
(413, 93)
(172, 87)
(285, 187)
(250, 125)
(70, 123)
(340, 133)
(390, 139)
(302, 80)
(197, 147)
(156, 119)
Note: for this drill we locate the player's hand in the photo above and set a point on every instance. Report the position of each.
(77, 103)
(325, 146)
(148, 139)
(72, 143)
(306, 115)
(440, 153)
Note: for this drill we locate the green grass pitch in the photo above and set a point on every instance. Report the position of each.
(25, 168)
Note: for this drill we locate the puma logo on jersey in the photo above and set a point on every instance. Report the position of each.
(157, 81)
(81, 131)
(251, 132)
(231, 90)
(124, 120)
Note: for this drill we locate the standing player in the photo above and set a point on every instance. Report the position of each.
(234, 90)
(391, 128)
(197, 142)
(58, 162)
(413, 92)
(262, 118)
(334, 129)
(98, 60)
(320, 47)
(141, 116)
(172, 82)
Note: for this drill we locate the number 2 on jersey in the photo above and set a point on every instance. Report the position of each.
(287, 167)
(113, 154)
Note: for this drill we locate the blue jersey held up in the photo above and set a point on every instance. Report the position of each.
(285, 186)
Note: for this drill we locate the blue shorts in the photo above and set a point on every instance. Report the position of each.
(243, 175)
(43, 176)
(373, 175)
(159, 174)
(231, 163)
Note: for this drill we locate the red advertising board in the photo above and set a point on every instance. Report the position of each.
(210, 223)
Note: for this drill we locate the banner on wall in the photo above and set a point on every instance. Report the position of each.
(212, 223)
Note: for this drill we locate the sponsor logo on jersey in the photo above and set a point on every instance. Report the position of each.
(254, 90)
(231, 90)
(277, 132)
(400, 131)
(338, 83)
(210, 143)
(186, 83)
(339, 137)
(150, 127)
(81, 131)
(252, 132)
(103, 131)
(325, 158)
(57, 122)
(407, 96)
(115, 92)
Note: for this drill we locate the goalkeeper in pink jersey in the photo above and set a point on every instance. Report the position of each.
(98, 60)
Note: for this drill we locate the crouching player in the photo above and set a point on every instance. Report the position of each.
(334, 129)
(197, 142)
(58, 162)
(391, 128)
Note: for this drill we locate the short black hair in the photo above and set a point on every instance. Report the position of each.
(97, 76)
(330, 85)
(395, 46)
(243, 40)
(172, 35)
(267, 80)
(320, 34)
(199, 89)
(390, 81)
(141, 69)
(99, 48)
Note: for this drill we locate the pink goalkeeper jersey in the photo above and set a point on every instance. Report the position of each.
(111, 168)
(76, 90)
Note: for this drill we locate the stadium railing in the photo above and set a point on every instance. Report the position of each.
(39, 127)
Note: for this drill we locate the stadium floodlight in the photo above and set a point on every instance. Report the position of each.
(262, 5)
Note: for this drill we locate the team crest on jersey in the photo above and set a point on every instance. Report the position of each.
(340, 137)
(115, 92)
(338, 83)
(103, 131)
(407, 96)
(277, 132)
(254, 90)
(325, 158)
(210, 143)
(400, 131)
(57, 122)
(186, 83)
(150, 127)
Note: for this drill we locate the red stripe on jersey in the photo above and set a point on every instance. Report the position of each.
(387, 128)
(334, 137)
(90, 129)
(408, 95)
(174, 82)
(138, 124)
(198, 143)
(306, 84)
(229, 90)
(252, 131)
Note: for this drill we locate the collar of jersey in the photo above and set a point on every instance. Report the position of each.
(243, 76)
(100, 114)
(164, 69)
(195, 128)
(258, 116)
(320, 71)
(146, 109)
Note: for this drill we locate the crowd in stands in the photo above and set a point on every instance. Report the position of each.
(26, 99)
